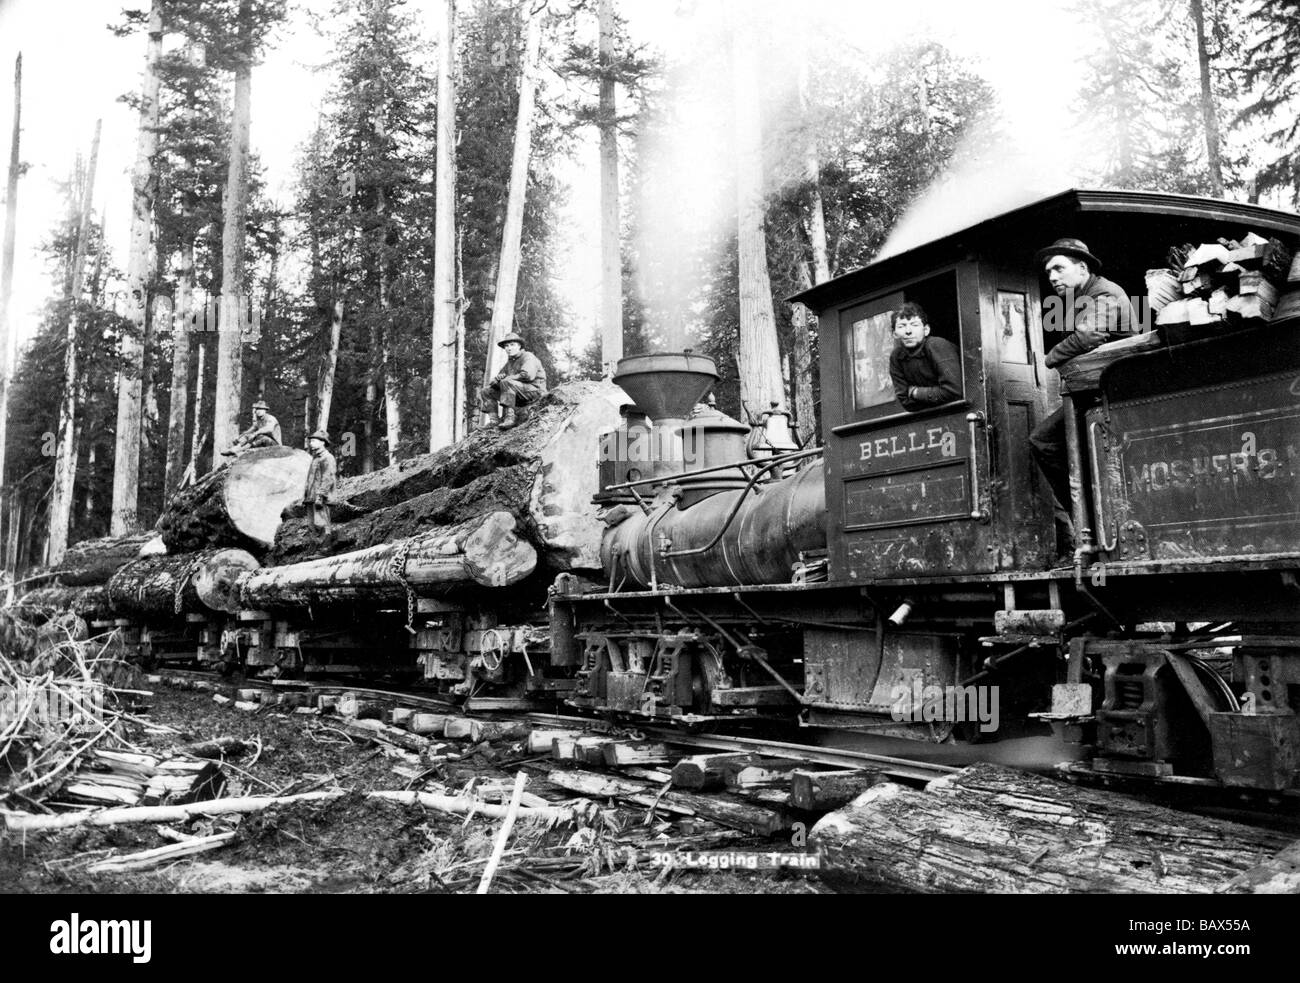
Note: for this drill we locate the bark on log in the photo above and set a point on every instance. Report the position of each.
(544, 471)
(184, 583)
(990, 829)
(485, 551)
(85, 602)
(822, 791)
(238, 504)
(94, 561)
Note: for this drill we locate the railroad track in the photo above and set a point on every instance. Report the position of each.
(911, 771)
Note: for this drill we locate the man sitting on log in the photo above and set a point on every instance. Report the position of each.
(265, 432)
(322, 478)
(521, 383)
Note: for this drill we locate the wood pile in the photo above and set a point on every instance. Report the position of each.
(1229, 282)
(542, 473)
(123, 778)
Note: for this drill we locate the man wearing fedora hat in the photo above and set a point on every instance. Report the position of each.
(1093, 311)
(265, 432)
(322, 478)
(521, 382)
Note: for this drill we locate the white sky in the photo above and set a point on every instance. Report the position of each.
(74, 70)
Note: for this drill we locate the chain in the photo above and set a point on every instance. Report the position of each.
(398, 569)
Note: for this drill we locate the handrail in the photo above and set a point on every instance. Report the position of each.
(667, 479)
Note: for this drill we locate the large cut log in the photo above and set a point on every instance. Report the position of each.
(543, 471)
(990, 829)
(238, 504)
(486, 551)
(93, 561)
(171, 585)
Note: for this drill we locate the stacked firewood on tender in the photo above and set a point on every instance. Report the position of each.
(1238, 283)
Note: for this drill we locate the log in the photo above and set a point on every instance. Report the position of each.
(85, 602)
(543, 471)
(238, 504)
(217, 578)
(990, 829)
(94, 561)
(169, 585)
(824, 791)
(706, 771)
(486, 551)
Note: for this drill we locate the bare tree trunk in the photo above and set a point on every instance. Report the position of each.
(325, 393)
(805, 411)
(442, 378)
(371, 397)
(1209, 111)
(65, 461)
(160, 320)
(126, 458)
(503, 304)
(611, 265)
(230, 366)
(180, 369)
(460, 403)
(392, 387)
(804, 406)
(7, 262)
(761, 385)
(196, 439)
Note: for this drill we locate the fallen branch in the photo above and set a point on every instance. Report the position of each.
(160, 855)
(457, 805)
(503, 837)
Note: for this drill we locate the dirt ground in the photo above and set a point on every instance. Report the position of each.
(357, 845)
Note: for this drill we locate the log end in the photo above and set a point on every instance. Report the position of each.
(495, 556)
(261, 483)
(216, 580)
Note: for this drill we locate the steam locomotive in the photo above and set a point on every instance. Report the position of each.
(889, 579)
(900, 578)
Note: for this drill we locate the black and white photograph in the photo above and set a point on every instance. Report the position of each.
(651, 447)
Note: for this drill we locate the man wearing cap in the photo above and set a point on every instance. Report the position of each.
(265, 432)
(322, 478)
(1092, 311)
(521, 382)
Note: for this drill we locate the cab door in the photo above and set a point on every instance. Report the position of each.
(1021, 392)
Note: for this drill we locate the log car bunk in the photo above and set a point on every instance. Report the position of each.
(939, 526)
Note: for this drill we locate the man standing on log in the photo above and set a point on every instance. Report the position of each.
(322, 478)
(521, 383)
(265, 432)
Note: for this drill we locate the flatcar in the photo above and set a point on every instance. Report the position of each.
(902, 577)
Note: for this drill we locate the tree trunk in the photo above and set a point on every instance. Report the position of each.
(238, 504)
(805, 407)
(160, 321)
(7, 262)
(484, 551)
(196, 437)
(85, 602)
(179, 407)
(325, 397)
(442, 378)
(373, 359)
(392, 387)
(543, 471)
(230, 366)
(170, 585)
(94, 561)
(611, 263)
(503, 304)
(1209, 109)
(990, 829)
(761, 385)
(65, 461)
(126, 458)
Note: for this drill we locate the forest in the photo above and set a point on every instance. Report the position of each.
(430, 199)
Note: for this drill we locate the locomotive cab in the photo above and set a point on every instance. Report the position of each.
(953, 489)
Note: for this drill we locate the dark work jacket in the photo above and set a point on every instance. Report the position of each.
(1101, 313)
(525, 367)
(934, 367)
